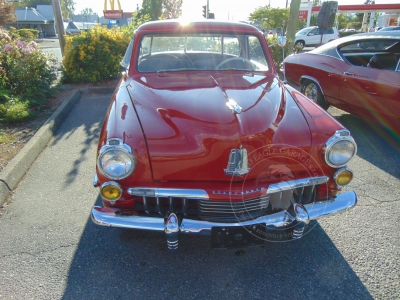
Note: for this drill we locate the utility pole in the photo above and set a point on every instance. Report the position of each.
(292, 22)
(208, 10)
(60, 24)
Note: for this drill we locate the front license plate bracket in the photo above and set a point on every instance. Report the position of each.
(235, 237)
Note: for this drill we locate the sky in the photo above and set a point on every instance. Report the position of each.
(233, 10)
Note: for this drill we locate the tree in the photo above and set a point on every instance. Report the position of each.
(88, 12)
(152, 8)
(137, 20)
(172, 8)
(67, 6)
(269, 17)
(292, 22)
(7, 14)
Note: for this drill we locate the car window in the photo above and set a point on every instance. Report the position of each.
(314, 31)
(231, 45)
(369, 44)
(370, 53)
(329, 31)
(303, 31)
(128, 54)
(201, 51)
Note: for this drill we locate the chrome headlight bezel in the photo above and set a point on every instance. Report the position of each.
(117, 145)
(340, 136)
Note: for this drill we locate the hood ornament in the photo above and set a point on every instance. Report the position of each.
(237, 163)
(234, 106)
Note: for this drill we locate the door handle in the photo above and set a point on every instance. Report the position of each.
(349, 74)
(370, 90)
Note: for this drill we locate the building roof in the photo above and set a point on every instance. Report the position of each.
(30, 15)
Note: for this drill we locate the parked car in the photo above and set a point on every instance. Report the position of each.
(390, 28)
(202, 137)
(311, 36)
(357, 74)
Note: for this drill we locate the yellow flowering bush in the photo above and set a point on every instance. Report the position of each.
(94, 55)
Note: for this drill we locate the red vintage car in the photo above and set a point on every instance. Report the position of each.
(359, 74)
(202, 137)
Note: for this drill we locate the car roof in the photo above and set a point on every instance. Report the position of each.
(359, 36)
(193, 26)
(362, 36)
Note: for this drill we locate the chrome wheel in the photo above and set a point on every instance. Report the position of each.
(312, 91)
(299, 44)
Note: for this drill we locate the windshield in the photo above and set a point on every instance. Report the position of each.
(201, 52)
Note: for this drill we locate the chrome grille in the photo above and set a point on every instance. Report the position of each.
(232, 211)
(195, 203)
(162, 205)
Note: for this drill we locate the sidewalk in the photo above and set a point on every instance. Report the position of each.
(16, 169)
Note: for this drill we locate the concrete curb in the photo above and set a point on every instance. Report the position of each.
(20, 164)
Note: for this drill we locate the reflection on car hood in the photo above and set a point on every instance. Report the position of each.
(191, 130)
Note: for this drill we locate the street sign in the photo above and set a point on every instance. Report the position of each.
(113, 22)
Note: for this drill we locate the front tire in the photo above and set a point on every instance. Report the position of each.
(299, 44)
(311, 90)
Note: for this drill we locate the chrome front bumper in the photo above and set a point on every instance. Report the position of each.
(108, 217)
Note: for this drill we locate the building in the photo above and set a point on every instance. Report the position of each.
(42, 19)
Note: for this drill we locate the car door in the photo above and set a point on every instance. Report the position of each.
(372, 93)
(313, 37)
(328, 35)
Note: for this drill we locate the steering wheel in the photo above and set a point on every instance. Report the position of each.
(243, 63)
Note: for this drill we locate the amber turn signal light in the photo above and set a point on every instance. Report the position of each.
(111, 191)
(343, 176)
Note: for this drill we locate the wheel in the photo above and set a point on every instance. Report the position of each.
(299, 44)
(311, 90)
(236, 63)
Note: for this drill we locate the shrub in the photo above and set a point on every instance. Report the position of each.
(14, 111)
(276, 50)
(27, 35)
(26, 73)
(94, 55)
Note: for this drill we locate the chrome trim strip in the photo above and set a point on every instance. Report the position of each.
(294, 184)
(95, 181)
(167, 192)
(107, 217)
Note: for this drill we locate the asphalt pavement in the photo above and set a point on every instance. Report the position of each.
(50, 249)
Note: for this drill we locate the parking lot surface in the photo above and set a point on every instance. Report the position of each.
(50, 249)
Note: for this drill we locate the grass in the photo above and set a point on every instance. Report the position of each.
(6, 137)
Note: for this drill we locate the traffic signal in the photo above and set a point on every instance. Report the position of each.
(205, 11)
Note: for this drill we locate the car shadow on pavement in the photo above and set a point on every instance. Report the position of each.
(112, 263)
(377, 145)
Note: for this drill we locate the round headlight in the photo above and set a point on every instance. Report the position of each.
(116, 162)
(340, 149)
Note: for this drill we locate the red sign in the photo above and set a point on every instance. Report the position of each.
(113, 14)
(303, 14)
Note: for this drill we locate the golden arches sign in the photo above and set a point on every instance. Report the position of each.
(112, 13)
(111, 5)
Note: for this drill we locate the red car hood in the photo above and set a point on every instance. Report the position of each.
(190, 130)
